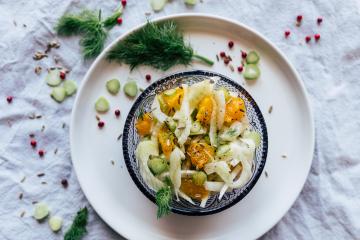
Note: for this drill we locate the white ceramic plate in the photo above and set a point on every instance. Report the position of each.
(118, 201)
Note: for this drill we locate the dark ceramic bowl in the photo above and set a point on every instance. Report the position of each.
(131, 140)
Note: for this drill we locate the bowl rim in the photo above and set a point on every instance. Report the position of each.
(245, 189)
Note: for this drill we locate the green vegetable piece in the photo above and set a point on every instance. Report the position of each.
(199, 178)
(70, 87)
(55, 223)
(171, 124)
(197, 128)
(252, 57)
(170, 92)
(223, 150)
(131, 89)
(207, 139)
(58, 94)
(113, 86)
(157, 5)
(102, 105)
(255, 136)
(53, 78)
(163, 200)
(157, 165)
(78, 227)
(190, 2)
(252, 72)
(41, 211)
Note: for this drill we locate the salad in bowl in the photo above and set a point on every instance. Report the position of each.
(195, 143)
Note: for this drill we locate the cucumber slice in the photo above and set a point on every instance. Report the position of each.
(41, 211)
(58, 94)
(170, 92)
(197, 129)
(157, 5)
(252, 57)
(157, 165)
(102, 105)
(113, 86)
(53, 78)
(253, 135)
(252, 72)
(131, 89)
(70, 87)
(190, 2)
(55, 223)
(199, 178)
(171, 124)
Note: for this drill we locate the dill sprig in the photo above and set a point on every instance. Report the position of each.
(89, 26)
(78, 227)
(163, 199)
(160, 45)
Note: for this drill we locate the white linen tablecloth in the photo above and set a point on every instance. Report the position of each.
(328, 207)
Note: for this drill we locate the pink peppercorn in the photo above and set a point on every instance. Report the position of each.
(317, 37)
(117, 112)
(308, 38)
(9, 99)
(148, 77)
(231, 44)
(119, 20)
(101, 124)
(240, 68)
(287, 33)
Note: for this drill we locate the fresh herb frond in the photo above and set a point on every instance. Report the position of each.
(78, 227)
(160, 45)
(93, 41)
(163, 200)
(111, 21)
(71, 24)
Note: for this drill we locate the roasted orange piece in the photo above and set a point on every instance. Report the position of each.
(171, 100)
(166, 140)
(204, 111)
(194, 191)
(234, 110)
(143, 124)
(200, 154)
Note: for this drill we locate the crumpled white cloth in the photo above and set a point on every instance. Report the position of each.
(328, 207)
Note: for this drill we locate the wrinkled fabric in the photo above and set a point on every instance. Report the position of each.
(328, 207)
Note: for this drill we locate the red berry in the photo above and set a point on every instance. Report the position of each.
(231, 44)
(41, 153)
(9, 99)
(240, 68)
(299, 18)
(319, 20)
(62, 75)
(287, 33)
(222, 54)
(117, 112)
(101, 124)
(119, 20)
(148, 77)
(226, 61)
(123, 2)
(33, 143)
(317, 37)
(243, 54)
(307, 38)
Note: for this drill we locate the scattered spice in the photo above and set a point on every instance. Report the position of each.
(52, 44)
(31, 135)
(217, 58)
(222, 54)
(21, 196)
(9, 99)
(22, 214)
(308, 39)
(55, 151)
(119, 21)
(23, 179)
(39, 55)
(32, 116)
(317, 37)
(97, 117)
(270, 109)
(64, 183)
(240, 68)
(24, 25)
(43, 183)
(319, 20)
(119, 137)
(230, 44)
(34, 202)
(38, 116)
(41, 153)
(231, 67)
(266, 174)
(287, 33)
(33, 143)
(42, 128)
(63, 125)
(14, 22)
(226, 61)
(117, 112)
(112, 162)
(101, 124)
(283, 156)
(41, 174)
(37, 70)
